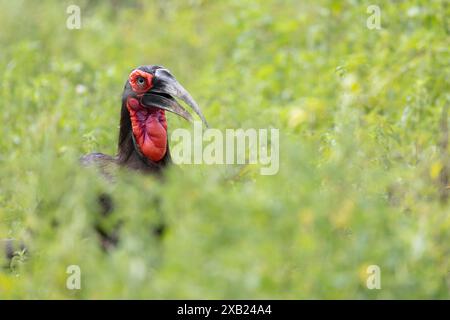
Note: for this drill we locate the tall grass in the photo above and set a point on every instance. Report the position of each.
(362, 153)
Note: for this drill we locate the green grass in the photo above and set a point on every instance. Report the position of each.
(362, 159)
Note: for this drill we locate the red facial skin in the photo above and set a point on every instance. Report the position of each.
(149, 124)
(138, 88)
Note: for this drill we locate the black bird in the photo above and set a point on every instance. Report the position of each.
(143, 140)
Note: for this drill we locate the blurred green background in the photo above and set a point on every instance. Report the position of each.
(364, 165)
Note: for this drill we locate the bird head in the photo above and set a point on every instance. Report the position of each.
(149, 92)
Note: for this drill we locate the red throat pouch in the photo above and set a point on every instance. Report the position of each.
(149, 129)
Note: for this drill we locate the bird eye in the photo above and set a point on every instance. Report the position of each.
(140, 80)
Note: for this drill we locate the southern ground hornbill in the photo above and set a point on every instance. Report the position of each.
(143, 140)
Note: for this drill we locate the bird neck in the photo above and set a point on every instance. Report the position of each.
(130, 152)
(149, 126)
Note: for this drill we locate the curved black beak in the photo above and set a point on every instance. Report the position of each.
(150, 99)
(165, 88)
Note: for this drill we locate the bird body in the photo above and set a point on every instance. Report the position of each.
(143, 143)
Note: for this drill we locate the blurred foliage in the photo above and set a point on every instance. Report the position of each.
(363, 160)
